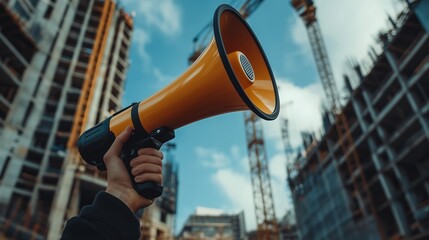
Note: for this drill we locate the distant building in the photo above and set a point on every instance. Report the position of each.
(212, 224)
(367, 177)
(62, 69)
(287, 226)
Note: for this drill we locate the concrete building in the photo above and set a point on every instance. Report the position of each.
(367, 176)
(62, 69)
(211, 224)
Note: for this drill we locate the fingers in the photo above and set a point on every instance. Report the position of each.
(147, 166)
(151, 152)
(145, 159)
(149, 177)
(148, 155)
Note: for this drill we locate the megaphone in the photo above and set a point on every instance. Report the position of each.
(232, 74)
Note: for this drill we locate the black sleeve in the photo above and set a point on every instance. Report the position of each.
(107, 218)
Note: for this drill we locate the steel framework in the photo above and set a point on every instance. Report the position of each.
(260, 177)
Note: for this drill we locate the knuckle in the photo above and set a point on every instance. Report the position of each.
(134, 162)
(134, 171)
(159, 180)
(106, 156)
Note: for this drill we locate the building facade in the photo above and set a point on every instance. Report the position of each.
(366, 178)
(62, 69)
(211, 224)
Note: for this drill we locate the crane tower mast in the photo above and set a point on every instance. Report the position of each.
(307, 12)
(267, 227)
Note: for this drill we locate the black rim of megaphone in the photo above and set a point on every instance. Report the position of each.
(224, 56)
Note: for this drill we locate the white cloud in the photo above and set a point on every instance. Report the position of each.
(236, 185)
(235, 151)
(300, 36)
(150, 15)
(212, 158)
(301, 106)
(162, 77)
(238, 189)
(141, 38)
(277, 167)
(164, 15)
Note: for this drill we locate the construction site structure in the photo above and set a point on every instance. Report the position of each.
(385, 194)
(358, 184)
(62, 69)
(287, 226)
(267, 226)
(213, 224)
(288, 150)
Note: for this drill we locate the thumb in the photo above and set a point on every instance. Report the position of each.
(118, 144)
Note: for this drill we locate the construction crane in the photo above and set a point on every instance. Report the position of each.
(285, 135)
(307, 12)
(267, 226)
(359, 186)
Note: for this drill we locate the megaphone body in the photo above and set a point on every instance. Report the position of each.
(232, 74)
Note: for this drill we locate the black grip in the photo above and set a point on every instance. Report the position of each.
(95, 142)
(149, 189)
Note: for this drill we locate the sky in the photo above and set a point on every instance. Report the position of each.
(212, 153)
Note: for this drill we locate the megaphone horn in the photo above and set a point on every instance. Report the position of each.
(232, 74)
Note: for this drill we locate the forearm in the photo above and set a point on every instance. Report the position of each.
(108, 218)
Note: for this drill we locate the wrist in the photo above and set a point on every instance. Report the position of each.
(123, 196)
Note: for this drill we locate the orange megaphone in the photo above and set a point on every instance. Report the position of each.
(232, 74)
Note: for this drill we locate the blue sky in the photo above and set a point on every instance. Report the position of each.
(212, 155)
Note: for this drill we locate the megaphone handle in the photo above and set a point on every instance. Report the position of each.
(147, 189)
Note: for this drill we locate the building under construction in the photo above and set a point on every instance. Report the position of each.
(213, 224)
(367, 176)
(62, 70)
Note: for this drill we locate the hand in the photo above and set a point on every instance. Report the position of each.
(145, 167)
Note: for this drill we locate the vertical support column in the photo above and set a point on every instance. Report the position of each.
(59, 205)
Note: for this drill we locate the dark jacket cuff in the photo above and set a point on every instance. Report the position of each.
(111, 211)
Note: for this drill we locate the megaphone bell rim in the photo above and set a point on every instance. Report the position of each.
(224, 58)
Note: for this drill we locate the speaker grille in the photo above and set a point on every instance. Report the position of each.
(247, 67)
